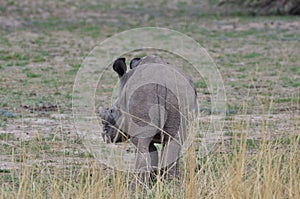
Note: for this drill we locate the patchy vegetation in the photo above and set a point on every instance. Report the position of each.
(42, 45)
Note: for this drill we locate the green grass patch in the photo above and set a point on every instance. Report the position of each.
(71, 72)
(295, 84)
(7, 136)
(295, 69)
(9, 64)
(21, 63)
(200, 84)
(252, 55)
(286, 100)
(92, 30)
(242, 76)
(46, 69)
(252, 144)
(76, 66)
(17, 92)
(38, 58)
(14, 56)
(33, 75)
(287, 81)
(242, 69)
(285, 141)
(68, 96)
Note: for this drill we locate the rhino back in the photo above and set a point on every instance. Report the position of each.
(158, 94)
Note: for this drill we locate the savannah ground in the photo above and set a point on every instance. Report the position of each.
(42, 46)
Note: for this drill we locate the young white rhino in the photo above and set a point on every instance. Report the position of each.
(155, 104)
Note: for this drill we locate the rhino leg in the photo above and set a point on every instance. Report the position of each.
(170, 157)
(154, 160)
(143, 160)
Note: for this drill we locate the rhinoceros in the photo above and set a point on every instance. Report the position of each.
(155, 104)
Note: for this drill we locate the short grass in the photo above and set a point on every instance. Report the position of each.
(42, 46)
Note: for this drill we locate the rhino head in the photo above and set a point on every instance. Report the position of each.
(111, 116)
(111, 132)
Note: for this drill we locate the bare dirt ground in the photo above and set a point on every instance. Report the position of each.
(43, 43)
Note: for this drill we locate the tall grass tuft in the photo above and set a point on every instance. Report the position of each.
(266, 167)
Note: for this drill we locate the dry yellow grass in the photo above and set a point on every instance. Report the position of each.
(269, 168)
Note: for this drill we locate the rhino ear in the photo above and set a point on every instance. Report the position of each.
(135, 62)
(120, 66)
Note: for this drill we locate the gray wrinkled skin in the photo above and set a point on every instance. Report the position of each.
(154, 105)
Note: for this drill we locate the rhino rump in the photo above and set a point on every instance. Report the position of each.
(165, 116)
